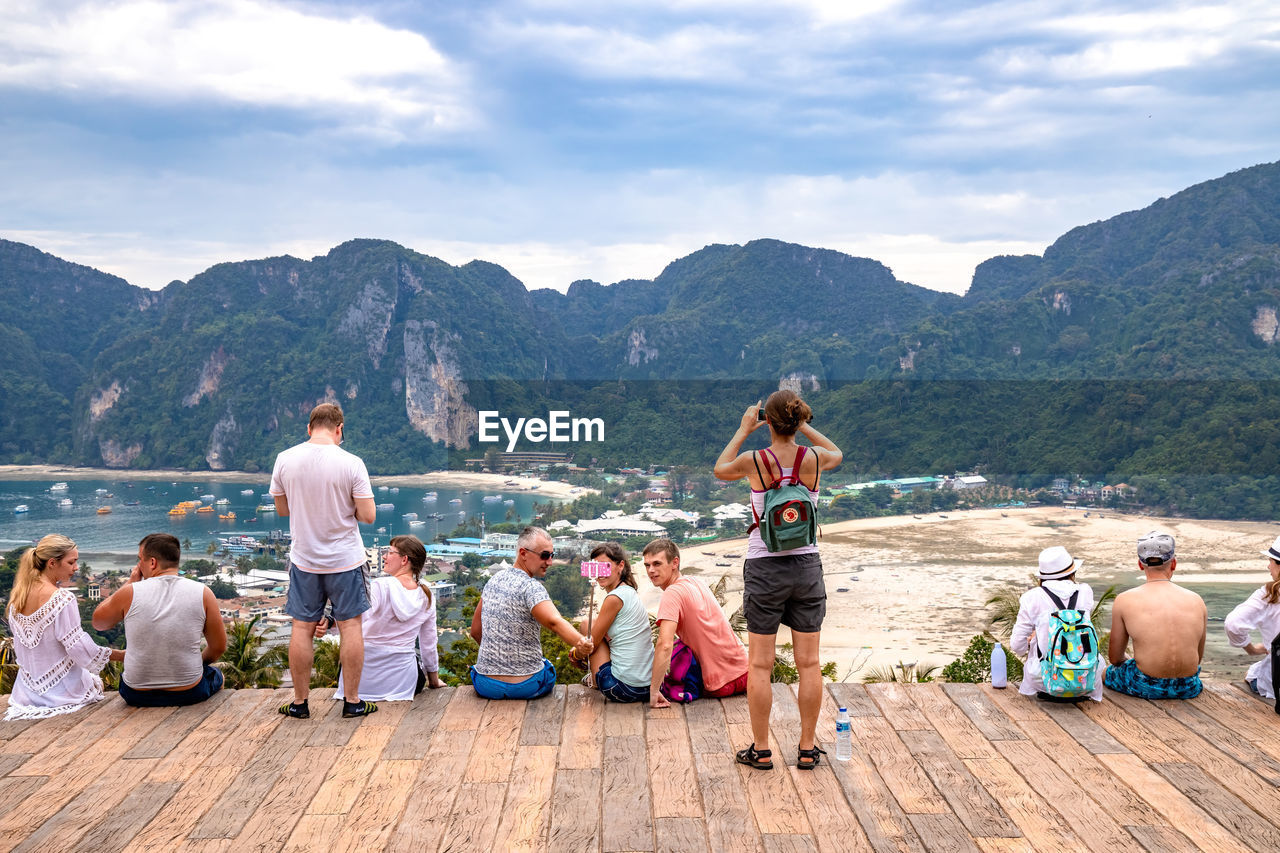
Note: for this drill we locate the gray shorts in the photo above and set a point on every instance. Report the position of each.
(309, 592)
(784, 590)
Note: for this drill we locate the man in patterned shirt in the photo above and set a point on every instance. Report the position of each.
(513, 608)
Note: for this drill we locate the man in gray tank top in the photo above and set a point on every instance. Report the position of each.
(165, 618)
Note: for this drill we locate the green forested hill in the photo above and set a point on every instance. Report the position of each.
(1143, 345)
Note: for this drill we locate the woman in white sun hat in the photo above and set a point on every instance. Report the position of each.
(1259, 612)
(1030, 639)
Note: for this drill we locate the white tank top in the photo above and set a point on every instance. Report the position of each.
(162, 632)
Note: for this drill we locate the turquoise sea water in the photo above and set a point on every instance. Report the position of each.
(139, 507)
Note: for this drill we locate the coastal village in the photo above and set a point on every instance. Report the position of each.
(260, 585)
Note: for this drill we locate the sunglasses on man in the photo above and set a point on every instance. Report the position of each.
(541, 555)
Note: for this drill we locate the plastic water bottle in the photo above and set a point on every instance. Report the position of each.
(844, 736)
(999, 667)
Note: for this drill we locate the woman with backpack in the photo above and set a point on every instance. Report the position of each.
(782, 575)
(1259, 612)
(1054, 634)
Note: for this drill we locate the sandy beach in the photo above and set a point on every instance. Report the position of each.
(450, 479)
(915, 588)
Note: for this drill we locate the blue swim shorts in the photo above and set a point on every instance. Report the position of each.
(618, 691)
(1127, 678)
(308, 592)
(535, 686)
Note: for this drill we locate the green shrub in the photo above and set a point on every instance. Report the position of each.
(974, 666)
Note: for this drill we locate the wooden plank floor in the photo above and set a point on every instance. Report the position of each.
(935, 767)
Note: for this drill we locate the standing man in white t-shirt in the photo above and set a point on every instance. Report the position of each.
(325, 492)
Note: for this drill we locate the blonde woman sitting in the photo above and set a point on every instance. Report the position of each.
(58, 663)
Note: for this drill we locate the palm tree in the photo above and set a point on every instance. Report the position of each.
(1006, 602)
(249, 661)
(325, 673)
(8, 665)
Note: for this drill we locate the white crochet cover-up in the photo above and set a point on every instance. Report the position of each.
(58, 663)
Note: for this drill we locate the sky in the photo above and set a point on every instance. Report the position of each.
(569, 140)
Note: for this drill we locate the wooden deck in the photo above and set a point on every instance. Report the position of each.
(935, 767)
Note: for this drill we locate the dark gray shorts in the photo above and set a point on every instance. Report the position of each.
(784, 590)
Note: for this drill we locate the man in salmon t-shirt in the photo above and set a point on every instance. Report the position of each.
(688, 609)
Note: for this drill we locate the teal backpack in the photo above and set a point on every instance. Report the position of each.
(790, 518)
(1070, 664)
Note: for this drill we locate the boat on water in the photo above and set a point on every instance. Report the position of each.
(246, 491)
(383, 488)
(395, 490)
(204, 509)
(65, 502)
(20, 508)
(178, 510)
(429, 496)
(491, 499)
(209, 498)
(410, 516)
(104, 510)
(227, 516)
(132, 503)
(437, 516)
(455, 501)
(99, 491)
(386, 507)
(267, 508)
(58, 487)
(416, 523)
(222, 502)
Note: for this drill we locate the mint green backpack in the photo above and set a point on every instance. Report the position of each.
(790, 517)
(1070, 664)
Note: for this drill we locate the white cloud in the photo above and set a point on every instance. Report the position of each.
(258, 53)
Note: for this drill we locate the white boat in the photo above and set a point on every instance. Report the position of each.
(207, 498)
(99, 491)
(429, 496)
(222, 501)
(58, 487)
(395, 490)
(416, 523)
(456, 501)
(246, 491)
(21, 508)
(382, 488)
(65, 502)
(385, 507)
(410, 516)
(267, 508)
(492, 499)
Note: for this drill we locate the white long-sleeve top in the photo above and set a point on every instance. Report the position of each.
(58, 663)
(1255, 614)
(396, 617)
(1031, 631)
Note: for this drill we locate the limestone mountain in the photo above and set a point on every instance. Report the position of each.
(220, 371)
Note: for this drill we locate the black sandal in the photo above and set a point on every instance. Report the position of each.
(810, 758)
(760, 759)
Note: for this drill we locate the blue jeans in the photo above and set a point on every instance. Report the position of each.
(617, 691)
(210, 683)
(535, 686)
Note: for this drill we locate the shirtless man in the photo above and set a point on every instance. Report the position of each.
(1167, 625)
